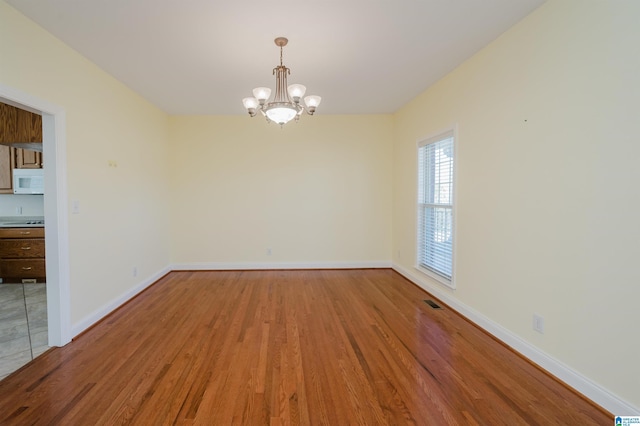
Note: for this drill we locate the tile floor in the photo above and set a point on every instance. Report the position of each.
(23, 325)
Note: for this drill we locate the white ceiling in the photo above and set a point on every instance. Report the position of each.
(204, 56)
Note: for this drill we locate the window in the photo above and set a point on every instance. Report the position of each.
(435, 207)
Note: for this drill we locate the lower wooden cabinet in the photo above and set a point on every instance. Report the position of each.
(22, 254)
(22, 268)
(22, 248)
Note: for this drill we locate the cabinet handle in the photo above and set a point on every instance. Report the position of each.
(25, 232)
(26, 248)
(26, 268)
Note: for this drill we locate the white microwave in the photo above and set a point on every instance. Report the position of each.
(28, 181)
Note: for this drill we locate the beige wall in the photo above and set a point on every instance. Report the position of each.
(547, 197)
(124, 219)
(315, 193)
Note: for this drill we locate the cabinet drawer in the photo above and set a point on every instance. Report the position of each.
(21, 248)
(22, 268)
(22, 232)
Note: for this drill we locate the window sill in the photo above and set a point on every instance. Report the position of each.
(436, 277)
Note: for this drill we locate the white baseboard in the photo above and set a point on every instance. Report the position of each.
(232, 266)
(582, 384)
(105, 310)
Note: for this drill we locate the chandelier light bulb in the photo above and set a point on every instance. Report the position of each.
(250, 103)
(296, 91)
(262, 94)
(312, 102)
(281, 115)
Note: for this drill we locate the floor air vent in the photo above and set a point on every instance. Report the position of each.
(433, 304)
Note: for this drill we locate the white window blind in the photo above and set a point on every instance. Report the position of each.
(435, 205)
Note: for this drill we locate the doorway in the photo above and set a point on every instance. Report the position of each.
(55, 210)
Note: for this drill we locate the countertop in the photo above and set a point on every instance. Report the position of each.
(21, 221)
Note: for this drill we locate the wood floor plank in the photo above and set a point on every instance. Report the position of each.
(326, 347)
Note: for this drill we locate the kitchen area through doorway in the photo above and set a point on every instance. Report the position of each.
(23, 296)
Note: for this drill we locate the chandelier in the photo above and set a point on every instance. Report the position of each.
(286, 102)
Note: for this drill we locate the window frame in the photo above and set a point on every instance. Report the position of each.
(422, 142)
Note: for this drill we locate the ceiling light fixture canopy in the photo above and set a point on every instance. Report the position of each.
(286, 102)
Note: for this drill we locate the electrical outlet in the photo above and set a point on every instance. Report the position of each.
(269, 252)
(75, 206)
(19, 210)
(538, 323)
(135, 271)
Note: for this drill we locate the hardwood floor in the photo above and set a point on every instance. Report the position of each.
(287, 347)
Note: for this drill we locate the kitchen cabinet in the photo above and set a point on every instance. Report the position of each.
(23, 130)
(8, 123)
(29, 129)
(15, 158)
(27, 159)
(29, 126)
(19, 126)
(7, 160)
(22, 254)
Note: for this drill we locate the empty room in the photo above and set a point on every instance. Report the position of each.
(363, 212)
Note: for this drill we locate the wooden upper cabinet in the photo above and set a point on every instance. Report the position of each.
(29, 127)
(6, 165)
(8, 123)
(19, 126)
(28, 159)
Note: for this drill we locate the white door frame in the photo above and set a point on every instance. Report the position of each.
(55, 209)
